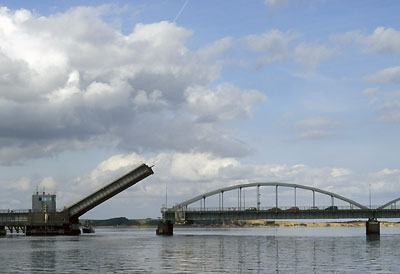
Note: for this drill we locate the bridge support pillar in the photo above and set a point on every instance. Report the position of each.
(373, 227)
(165, 228)
(3, 231)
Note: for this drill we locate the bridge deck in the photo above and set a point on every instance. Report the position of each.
(109, 191)
(13, 218)
(270, 214)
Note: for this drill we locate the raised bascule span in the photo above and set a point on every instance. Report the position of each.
(81, 207)
(43, 219)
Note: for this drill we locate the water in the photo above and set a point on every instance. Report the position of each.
(194, 250)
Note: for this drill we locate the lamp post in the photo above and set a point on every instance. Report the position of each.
(370, 204)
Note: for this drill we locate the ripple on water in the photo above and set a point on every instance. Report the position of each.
(204, 251)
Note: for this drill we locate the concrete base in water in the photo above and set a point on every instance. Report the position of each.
(373, 227)
(52, 230)
(165, 228)
(3, 231)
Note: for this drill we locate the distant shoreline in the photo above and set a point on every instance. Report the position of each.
(122, 222)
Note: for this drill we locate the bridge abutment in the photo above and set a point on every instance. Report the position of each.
(3, 231)
(165, 228)
(373, 226)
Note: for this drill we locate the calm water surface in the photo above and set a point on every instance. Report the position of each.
(242, 250)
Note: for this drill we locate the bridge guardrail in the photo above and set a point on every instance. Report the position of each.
(2, 211)
(13, 218)
(281, 208)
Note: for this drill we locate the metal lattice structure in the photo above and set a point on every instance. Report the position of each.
(110, 190)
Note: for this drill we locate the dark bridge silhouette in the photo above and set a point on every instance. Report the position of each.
(185, 213)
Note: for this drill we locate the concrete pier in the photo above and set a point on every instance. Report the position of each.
(3, 231)
(373, 227)
(165, 228)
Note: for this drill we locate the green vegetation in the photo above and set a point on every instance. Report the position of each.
(122, 222)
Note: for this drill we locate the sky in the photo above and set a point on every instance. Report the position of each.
(212, 93)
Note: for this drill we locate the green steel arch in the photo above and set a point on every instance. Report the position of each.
(241, 186)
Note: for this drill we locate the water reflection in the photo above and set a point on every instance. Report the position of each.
(373, 238)
(258, 253)
(200, 251)
(42, 254)
(221, 253)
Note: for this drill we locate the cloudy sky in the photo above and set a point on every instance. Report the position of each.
(213, 93)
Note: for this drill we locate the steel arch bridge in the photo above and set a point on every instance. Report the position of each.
(392, 203)
(183, 213)
(221, 192)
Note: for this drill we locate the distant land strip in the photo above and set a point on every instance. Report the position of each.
(149, 222)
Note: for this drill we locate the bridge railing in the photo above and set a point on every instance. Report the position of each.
(13, 218)
(2, 211)
(270, 208)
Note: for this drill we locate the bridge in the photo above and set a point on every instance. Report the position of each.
(344, 208)
(45, 220)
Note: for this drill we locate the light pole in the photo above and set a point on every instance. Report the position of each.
(370, 205)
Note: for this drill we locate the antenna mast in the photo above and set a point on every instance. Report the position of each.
(166, 196)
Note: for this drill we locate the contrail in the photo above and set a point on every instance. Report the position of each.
(179, 13)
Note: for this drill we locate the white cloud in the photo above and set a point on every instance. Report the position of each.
(216, 49)
(91, 85)
(149, 99)
(385, 181)
(274, 45)
(273, 5)
(386, 76)
(312, 135)
(315, 122)
(226, 102)
(314, 128)
(389, 118)
(190, 174)
(338, 172)
(386, 106)
(382, 40)
(21, 185)
(114, 167)
(274, 41)
(48, 185)
(311, 56)
(199, 167)
(370, 91)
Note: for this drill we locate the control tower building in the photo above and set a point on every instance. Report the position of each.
(43, 202)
